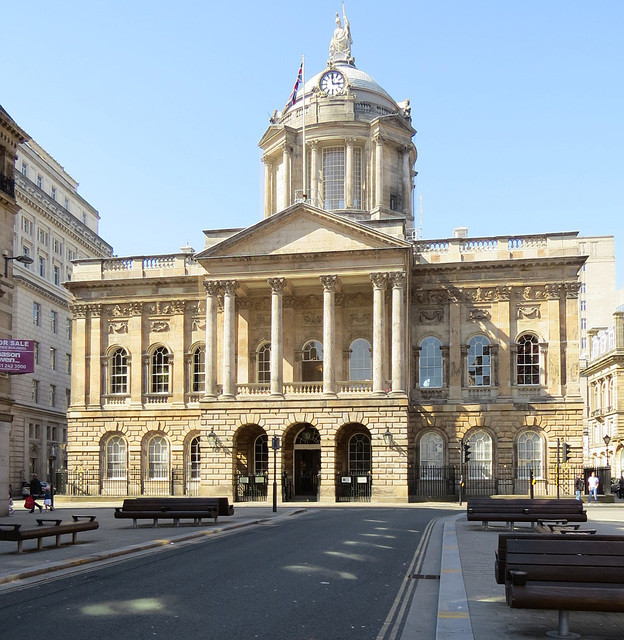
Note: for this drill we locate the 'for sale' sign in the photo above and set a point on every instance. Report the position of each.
(17, 356)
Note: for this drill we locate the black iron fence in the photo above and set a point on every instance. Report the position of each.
(250, 487)
(481, 479)
(353, 487)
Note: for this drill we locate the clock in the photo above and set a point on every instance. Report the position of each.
(332, 83)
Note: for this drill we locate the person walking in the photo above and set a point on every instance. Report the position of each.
(579, 483)
(592, 484)
(35, 492)
(47, 499)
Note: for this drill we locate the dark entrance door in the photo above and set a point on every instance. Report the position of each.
(307, 464)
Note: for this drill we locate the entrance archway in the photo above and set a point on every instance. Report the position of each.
(307, 463)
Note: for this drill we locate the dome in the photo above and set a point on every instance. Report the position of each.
(366, 88)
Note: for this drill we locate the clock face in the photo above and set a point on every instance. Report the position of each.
(332, 83)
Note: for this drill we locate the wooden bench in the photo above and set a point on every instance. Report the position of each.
(46, 527)
(584, 573)
(512, 510)
(175, 509)
(500, 563)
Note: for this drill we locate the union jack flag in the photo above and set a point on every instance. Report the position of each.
(293, 96)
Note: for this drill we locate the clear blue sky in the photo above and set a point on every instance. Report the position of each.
(156, 107)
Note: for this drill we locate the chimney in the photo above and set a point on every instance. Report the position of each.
(460, 232)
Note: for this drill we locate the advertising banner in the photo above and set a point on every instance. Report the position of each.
(17, 356)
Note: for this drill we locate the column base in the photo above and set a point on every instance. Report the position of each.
(379, 394)
(276, 396)
(329, 394)
(397, 394)
(227, 396)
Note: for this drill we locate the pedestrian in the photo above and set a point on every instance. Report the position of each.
(35, 492)
(47, 499)
(11, 509)
(620, 492)
(579, 483)
(592, 485)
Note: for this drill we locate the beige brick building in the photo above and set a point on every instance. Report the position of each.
(324, 328)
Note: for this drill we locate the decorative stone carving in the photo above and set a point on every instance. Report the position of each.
(397, 279)
(529, 312)
(360, 318)
(340, 45)
(277, 284)
(553, 291)
(118, 327)
(310, 319)
(429, 316)
(212, 287)
(159, 326)
(162, 308)
(572, 289)
(379, 280)
(328, 282)
(198, 324)
(477, 315)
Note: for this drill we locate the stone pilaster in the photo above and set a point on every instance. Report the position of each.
(398, 332)
(379, 315)
(277, 337)
(329, 338)
(212, 291)
(229, 339)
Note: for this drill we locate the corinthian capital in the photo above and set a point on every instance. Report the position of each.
(328, 282)
(277, 284)
(379, 280)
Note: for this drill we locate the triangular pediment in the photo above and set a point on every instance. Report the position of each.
(302, 229)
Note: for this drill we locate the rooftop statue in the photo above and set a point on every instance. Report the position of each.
(340, 45)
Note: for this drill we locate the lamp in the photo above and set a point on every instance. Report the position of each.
(607, 440)
(387, 438)
(213, 440)
(22, 259)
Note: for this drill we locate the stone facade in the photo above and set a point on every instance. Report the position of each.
(327, 330)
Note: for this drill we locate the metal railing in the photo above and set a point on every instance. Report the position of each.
(353, 487)
(251, 487)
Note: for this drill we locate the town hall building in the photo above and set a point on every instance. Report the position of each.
(327, 348)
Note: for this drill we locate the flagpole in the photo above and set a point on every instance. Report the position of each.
(305, 193)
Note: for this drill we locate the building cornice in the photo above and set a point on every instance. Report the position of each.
(19, 280)
(34, 197)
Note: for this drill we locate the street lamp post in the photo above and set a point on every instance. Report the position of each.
(275, 445)
(22, 259)
(607, 440)
(51, 460)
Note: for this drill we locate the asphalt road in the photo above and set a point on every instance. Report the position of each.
(327, 574)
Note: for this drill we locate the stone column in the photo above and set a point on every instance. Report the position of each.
(554, 367)
(176, 357)
(504, 366)
(80, 340)
(286, 164)
(229, 339)
(212, 290)
(407, 181)
(135, 347)
(398, 332)
(572, 346)
(277, 337)
(329, 366)
(455, 362)
(464, 365)
(268, 187)
(349, 174)
(314, 174)
(379, 186)
(379, 314)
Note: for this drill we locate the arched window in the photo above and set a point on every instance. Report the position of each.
(479, 366)
(118, 372)
(264, 363)
(530, 455)
(480, 464)
(198, 378)
(360, 360)
(431, 450)
(159, 373)
(115, 458)
(360, 453)
(528, 360)
(158, 458)
(430, 370)
(195, 459)
(261, 455)
(312, 361)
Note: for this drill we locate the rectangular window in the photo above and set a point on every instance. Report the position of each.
(583, 305)
(57, 245)
(57, 275)
(42, 236)
(84, 218)
(35, 391)
(36, 352)
(68, 328)
(583, 288)
(52, 395)
(36, 314)
(53, 193)
(27, 225)
(67, 203)
(42, 266)
(583, 343)
(583, 323)
(24, 169)
(53, 321)
(68, 363)
(52, 358)
(40, 181)
(26, 252)
(333, 178)
(68, 397)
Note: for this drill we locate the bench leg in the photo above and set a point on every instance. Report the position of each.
(58, 540)
(39, 544)
(564, 627)
(20, 546)
(74, 538)
(155, 523)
